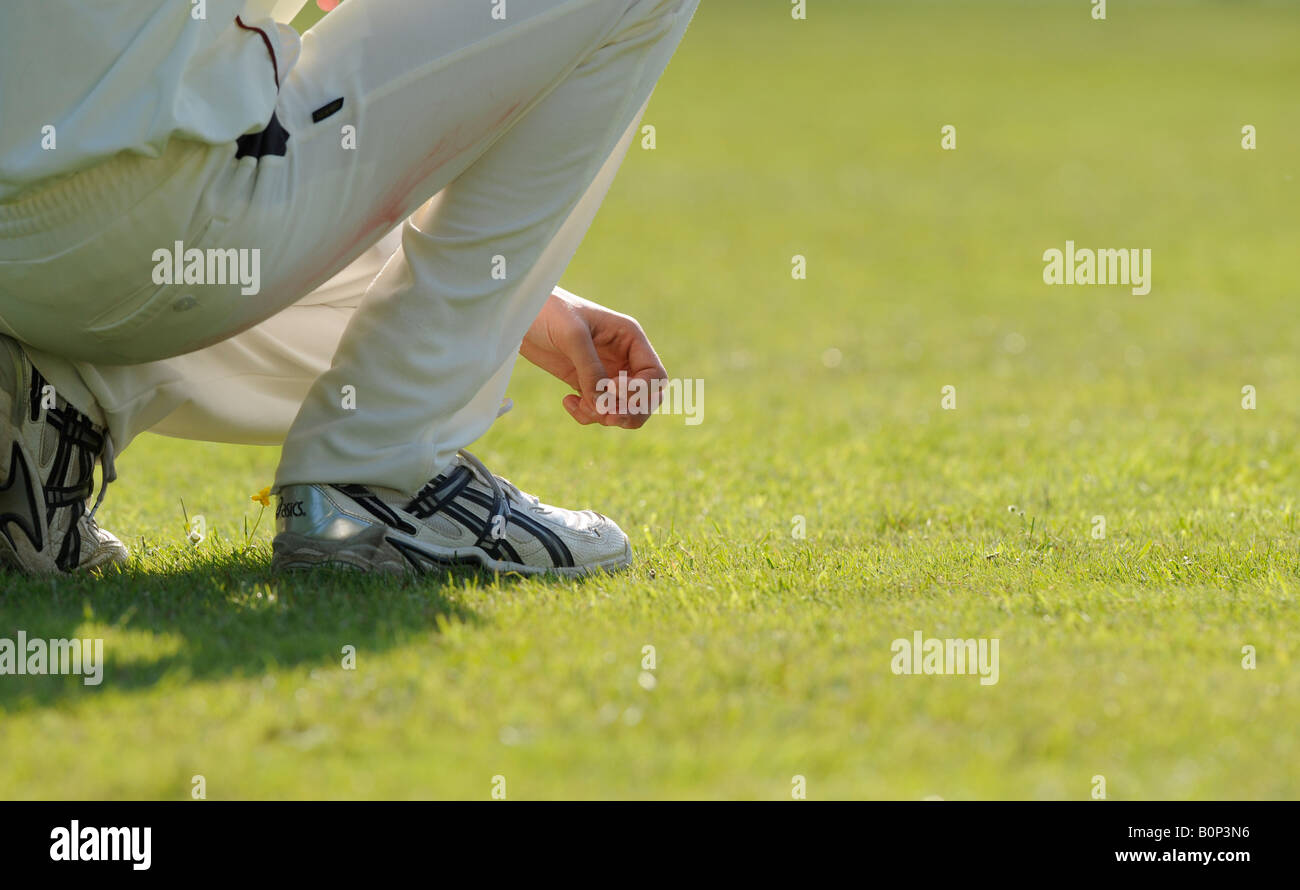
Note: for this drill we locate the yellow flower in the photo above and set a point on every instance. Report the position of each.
(263, 497)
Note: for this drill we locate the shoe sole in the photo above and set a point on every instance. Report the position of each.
(376, 550)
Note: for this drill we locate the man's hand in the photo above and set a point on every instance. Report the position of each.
(583, 343)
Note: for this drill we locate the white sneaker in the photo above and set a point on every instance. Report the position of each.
(465, 515)
(47, 473)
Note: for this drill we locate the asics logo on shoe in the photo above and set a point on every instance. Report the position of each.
(287, 510)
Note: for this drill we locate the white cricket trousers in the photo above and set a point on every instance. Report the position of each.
(372, 353)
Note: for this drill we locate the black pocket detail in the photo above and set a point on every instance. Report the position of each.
(327, 110)
(274, 140)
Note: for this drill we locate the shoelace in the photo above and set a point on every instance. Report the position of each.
(498, 485)
(499, 514)
(501, 488)
(503, 491)
(109, 468)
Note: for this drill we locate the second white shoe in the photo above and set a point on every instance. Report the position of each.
(48, 452)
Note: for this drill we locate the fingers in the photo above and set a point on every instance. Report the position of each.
(587, 365)
(651, 381)
(625, 401)
(611, 363)
(648, 372)
(642, 356)
(579, 411)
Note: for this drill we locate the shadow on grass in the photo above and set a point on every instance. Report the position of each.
(220, 615)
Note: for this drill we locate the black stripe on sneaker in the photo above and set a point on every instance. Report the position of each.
(555, 547)
(431, 498)
(70, 553)
(492, 546)
(18, 502)
(34, 395)
(371, 503)
(558, 550)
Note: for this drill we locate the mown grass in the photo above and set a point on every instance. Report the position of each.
(1120, 656)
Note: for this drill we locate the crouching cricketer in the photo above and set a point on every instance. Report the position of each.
(213, 229)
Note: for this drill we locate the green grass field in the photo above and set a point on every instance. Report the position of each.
(1120, 657)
